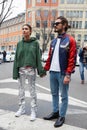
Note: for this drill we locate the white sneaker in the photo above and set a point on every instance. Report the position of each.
(33, 115)
(20, 112)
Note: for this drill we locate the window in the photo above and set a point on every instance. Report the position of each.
(62, 1)
(85, 37)
(38, 23)
(18, 38)
(61, 13)
(76, 24)
(29, 14)
(52, 23)
(79, 37)
(86, 14)
(74, 14)
(80, 14)
(45, 12)
(38, 1)
(52, 36)
(46, 1)
(85, 24)
(75, 1)
(29, 1)
(73, 24)
(44, 23)
(53, 1)
(38, 12)
(19, 28)
(29, 22)
(38, 36)
(45, 36)
(80, 24)
(54, 12)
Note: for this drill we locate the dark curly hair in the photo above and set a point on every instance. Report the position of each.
(64, 21)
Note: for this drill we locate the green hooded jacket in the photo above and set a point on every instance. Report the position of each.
(27, 54)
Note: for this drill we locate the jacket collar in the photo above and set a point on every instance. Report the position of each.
(61, 35)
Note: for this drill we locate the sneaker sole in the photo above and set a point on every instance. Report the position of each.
(20, 115)
(32, 120)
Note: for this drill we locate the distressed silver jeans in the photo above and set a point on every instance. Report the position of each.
(30, 74)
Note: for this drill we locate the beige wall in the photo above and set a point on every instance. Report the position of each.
(77, 7)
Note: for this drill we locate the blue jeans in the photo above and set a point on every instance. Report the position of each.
(57, 85)
(4, 59)
(81, 69)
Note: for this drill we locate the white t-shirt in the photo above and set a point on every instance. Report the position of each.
(55, 66)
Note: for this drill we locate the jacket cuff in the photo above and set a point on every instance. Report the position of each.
(68, 74)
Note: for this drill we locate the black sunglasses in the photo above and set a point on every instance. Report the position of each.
(57, 23)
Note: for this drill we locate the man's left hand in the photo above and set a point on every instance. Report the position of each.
(67, 79)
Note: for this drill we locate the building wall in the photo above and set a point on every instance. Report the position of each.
(74, 10)
(78, 13)
(11, 32)
(32, 7)
(63, 7)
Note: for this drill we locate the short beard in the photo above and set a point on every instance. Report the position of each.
(58, 31)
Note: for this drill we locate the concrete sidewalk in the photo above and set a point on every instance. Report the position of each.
(76, 118)
(9, 122)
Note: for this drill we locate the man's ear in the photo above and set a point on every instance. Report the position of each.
(64, 26)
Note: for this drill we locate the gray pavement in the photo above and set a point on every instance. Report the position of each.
(76, 117)
(9, 122)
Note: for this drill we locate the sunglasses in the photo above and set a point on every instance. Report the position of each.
(57, 23)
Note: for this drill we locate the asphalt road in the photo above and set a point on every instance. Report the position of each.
(77, 110)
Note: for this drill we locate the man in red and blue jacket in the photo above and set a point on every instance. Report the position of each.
(60, 63)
